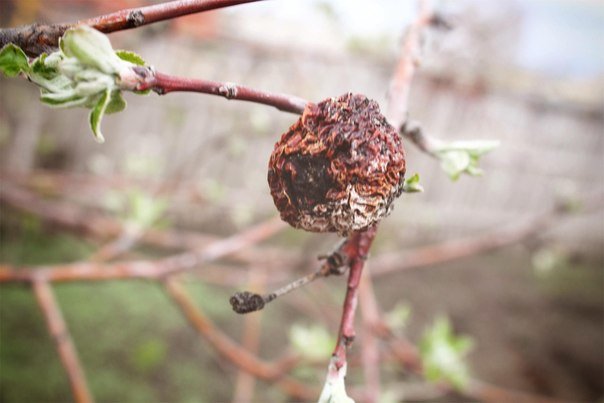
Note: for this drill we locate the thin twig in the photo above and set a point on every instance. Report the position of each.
(164, 83)
(400, 86)
(334, 264)
(229, 349)
(60, 334)
(357, 249)
(36, 39)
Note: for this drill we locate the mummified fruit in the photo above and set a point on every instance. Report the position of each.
(338, 168)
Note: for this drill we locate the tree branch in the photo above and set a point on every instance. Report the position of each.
(230, 350)
(60, 334)
(357, 249)
(163, 84)
(36, 39)
(400, 85)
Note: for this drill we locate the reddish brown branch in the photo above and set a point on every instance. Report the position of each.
(60, 334)
(400, 86)
(230, 350)
(136, 17)
(163, 84)
(35, 39)
(357, 249)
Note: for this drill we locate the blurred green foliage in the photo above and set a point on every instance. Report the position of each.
(443, 354)
(134, 345)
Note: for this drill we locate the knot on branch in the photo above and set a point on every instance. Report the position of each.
(335, 263)
(228, 90)
(135, 18)
(246, 302)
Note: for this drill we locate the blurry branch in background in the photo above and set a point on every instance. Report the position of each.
(81, 220)
(232, 351)
(62, 338)
(456, 157)
(409, 356)
(36, 39)
(428, 256)
(146, 268)
(85, 221)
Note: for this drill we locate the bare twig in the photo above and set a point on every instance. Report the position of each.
(38, 38)
(163, 84)
(335, 263)
(400, 86)
(357, 249)
(60, 334)
(230, 350)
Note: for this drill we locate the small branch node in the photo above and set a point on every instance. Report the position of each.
(441, 22)
(228, 90)
(135, 18)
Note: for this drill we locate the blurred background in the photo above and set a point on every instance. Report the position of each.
(527, 73)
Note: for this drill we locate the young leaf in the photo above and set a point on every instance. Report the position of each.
(42, 69)
(117, 103)
(460, 157)
(13, 60)
(92, 48)
(130, 57)
(96, 115)
(443, 354)
(412, 185)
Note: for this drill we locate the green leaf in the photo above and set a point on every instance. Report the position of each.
(461, 157)
(13, 60)
(63, 100)
(143, 209)
(131, 57)
(92, 48)
(117, 103)
(96, 115)
(398, 317)
(412, 185)
(443, 355)
(40, 68)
